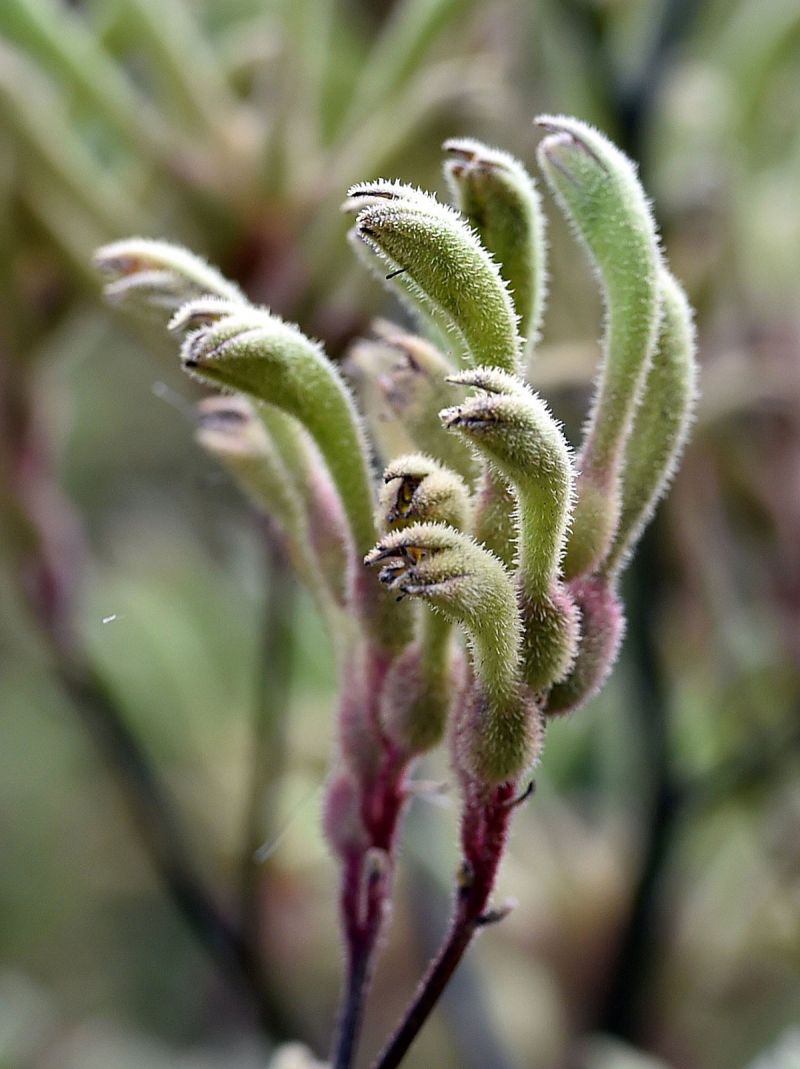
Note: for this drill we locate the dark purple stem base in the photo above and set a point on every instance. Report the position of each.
(366, 888)
(484, 833)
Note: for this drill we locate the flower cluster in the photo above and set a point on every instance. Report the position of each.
(486, 525)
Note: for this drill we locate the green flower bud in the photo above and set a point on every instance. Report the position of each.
(419, 686)
(160, 275)
(661, 424)
(500, 199)
(433, 323)
(256, 353)
(597, 188)
(417, 489)
(450, 572)
(602, 630)
(366, 365)
(230, 429)
(414, 388)
(512, 427)
(448, 269)
(330, 536)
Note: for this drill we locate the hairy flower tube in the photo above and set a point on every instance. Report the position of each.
(597, 188)
(157, 273)
(502, 203)
(428, 245)
(485, 525)
(453, 574)
(506, 422)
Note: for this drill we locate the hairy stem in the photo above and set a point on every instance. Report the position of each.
(366, 888)
(484, 834)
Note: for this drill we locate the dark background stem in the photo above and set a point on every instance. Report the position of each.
(161, 834)
(42, 523)
(623, 1009)
(267, 754)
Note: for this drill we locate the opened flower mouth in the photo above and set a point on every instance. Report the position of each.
(403, 569)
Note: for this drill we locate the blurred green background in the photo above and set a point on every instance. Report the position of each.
(657, 870)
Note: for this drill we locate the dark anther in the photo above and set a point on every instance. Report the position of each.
(394, 274)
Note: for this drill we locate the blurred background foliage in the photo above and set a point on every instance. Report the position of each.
(166, 694)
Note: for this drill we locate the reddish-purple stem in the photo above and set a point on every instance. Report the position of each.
(484, 832)
(366, 886)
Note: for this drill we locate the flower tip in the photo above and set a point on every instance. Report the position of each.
(552, 123)
(201, 312)
(451, 417)
(460, 149)
(118, 258)
(566, 135)
(376, 555)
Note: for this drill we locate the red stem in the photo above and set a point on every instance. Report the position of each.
(366, 887)
(484, 833)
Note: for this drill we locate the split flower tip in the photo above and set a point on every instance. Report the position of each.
(489, 380)
(159, 273)
(446, 271)
(229, 425)
(383, 191)
(445, 567)
(203, 312)
(478, 412)
(371, 202)
(419, 489)
(468, 154)
(565, 134)
(522, 419)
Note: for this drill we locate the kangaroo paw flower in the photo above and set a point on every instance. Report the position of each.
(513, 428)
(159, 275)
(597, 188)
(661, 425)
(420, 684)
(452, 573)
(418, 489)
(437, 255)
(500, 199)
